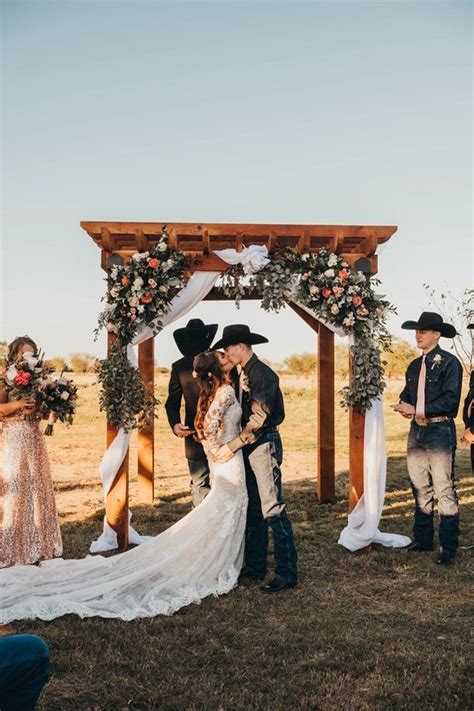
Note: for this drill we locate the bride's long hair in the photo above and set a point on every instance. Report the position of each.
(210, 377)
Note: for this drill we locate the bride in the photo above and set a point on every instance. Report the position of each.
(200, 555)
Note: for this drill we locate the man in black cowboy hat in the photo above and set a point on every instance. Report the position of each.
(468, 415)
(262, 411)
(431, 400)
(191, 340)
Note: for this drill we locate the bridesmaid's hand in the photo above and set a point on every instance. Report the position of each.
(26, 403)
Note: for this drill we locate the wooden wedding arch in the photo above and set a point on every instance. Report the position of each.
(356, 244)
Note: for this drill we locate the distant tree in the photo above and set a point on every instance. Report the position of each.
(398, 358)
(82, 362)
(303, 364)
(458, 310)
(59, 364)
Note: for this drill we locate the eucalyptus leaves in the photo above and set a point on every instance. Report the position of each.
(338, 295)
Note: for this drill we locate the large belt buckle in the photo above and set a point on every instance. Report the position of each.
(421, 421)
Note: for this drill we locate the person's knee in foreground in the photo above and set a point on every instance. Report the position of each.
(431, 400)
(24, 670)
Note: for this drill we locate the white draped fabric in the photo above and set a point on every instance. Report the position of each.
(362, 527)
(363, 523)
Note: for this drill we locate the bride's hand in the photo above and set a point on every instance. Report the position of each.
(223, 454)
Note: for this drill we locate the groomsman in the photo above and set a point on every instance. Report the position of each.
(195, 338)
(262, 411)
(431, 400)
(468, 415)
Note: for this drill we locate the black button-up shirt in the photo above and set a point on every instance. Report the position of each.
(468, 410)
(443, 383)
(262, 403)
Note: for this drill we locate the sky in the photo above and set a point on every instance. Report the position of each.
(340, 112)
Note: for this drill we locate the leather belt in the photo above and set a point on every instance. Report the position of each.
(431, 420)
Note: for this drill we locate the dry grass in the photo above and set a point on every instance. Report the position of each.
(368, 631)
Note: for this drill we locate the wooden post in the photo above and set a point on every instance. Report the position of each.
(325, 398)
(356, 452)
(116, 501)
(146, 440)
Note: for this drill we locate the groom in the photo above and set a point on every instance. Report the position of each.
(191, 340)
(262, 411)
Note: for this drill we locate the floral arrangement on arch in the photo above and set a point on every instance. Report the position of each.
(340, 296)
(140, 292)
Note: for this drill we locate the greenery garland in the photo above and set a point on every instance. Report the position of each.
(339, 296)
(140, 293)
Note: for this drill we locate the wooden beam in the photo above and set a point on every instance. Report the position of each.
(312, 321)
(116, 501)
(356, 452)
(326, 432)
(146, 441)
(142, 242)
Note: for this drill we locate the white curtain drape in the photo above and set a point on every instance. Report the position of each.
(362, 526)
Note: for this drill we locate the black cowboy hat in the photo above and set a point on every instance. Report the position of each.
(471, 325)
(430, 321)
(238, 333)
(195, 337)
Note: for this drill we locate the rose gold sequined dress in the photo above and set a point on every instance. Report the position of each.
(29, 527)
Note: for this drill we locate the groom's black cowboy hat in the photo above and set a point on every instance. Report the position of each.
(238, 333)
(195, 338)
(430, 321)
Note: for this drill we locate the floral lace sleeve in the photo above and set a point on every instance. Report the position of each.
(214, 421)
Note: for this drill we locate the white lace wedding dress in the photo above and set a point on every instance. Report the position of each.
(200, 555)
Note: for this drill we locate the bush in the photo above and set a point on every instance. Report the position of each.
(82, 362)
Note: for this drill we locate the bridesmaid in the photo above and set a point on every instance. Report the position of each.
(29, 526)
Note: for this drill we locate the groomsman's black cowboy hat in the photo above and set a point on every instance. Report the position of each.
(238, 333)
(430, 321)
(195, 338)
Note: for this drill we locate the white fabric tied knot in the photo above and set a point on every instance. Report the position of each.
(253, 258)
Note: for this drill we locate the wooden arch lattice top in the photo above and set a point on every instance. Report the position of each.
(200, 239)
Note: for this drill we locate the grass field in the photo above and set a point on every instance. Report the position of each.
(379, 630)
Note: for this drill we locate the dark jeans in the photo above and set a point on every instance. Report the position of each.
(199, 470)
(24, 670)
(266, 509)
(430, 461)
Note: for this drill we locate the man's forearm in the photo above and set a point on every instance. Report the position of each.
(247, 435)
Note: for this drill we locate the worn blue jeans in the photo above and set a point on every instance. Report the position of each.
(267, 509)
(200, 487)
(24, 670)
(430, 460)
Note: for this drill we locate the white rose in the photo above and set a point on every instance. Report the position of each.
(111, 328)
(349, 320)
(313, 290)
(11, 373)
(140, 308)
(30, 359)
(305, 257)
(162, 246)
(114, 292)
(138, 282)
(170, 262)
(335, 309)
(133, 301)
(65, 395)
(332, 261)
(163, 288)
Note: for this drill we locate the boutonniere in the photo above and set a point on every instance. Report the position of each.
(244, 384)
(437, 361)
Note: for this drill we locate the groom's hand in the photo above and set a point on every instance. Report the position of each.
(223, 454)
(182, 431)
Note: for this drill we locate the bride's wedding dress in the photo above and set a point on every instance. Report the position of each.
(200, 555)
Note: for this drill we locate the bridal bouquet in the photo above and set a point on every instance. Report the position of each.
(58, 400)
(26, 378)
